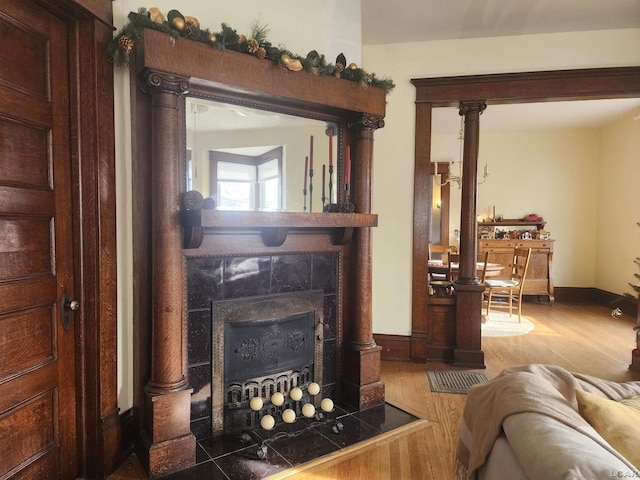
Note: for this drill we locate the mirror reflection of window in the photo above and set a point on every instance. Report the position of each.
(214, 126)
(269, 185)
(189, 171)
(235, 186)
(247, 182)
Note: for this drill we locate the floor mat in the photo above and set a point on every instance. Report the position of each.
(453, 381)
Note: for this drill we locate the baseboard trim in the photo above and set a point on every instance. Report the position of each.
(394, 347)
(123, 428)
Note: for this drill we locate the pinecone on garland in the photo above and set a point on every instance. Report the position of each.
(261, 53)
(339, 70)
(125, 44)
(253, 46)
(191, 22)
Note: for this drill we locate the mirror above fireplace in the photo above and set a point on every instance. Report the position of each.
(172, 70)
(251, 159)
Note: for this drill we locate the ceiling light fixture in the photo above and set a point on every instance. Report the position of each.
(450, 178)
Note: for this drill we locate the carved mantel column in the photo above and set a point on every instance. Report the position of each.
(361, 380)
(172, 445)
(468, 351)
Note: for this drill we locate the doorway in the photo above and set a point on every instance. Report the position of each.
(622, 82)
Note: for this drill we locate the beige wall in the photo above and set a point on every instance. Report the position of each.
(618, 190)
(394, 145)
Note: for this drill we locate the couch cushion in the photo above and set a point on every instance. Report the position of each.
(619, 424)
(633, 402)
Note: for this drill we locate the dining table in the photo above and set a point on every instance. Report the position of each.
(440, 267)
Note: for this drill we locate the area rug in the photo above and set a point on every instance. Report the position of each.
(454, 381)
(500, 325)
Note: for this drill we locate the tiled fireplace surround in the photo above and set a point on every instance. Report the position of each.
(211, 279)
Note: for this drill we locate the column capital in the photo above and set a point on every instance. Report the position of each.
(367, 121)
(164, 82)
(468, 106)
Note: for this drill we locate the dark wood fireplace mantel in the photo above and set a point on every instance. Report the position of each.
(167, 232)
(274, 228)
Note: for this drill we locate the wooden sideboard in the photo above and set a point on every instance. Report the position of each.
(539, 280)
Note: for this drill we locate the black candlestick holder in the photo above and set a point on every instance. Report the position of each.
(310, 190)
(304, 195)
(347, 206)
(331, 207)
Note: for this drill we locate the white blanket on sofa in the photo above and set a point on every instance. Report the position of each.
(540, 389)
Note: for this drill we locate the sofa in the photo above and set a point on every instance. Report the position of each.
(542, 422)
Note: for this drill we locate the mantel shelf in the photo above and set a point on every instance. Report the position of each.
(513, 223)
(228, 219)
(273, 226)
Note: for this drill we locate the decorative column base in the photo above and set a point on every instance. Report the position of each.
(468, 351)
(169, 444)
(361, 384)
(635, 364)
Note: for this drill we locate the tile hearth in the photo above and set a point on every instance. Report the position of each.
(235, 458)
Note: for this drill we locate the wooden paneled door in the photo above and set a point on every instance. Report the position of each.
(37, 359)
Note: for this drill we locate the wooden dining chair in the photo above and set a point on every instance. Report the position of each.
(481, 265)
(441, 252)
(512, 287)
(437, 252)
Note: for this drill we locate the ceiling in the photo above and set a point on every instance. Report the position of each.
(384, 22)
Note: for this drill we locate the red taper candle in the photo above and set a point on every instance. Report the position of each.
(348, 167)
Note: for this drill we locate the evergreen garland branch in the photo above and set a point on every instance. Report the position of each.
(130, 36)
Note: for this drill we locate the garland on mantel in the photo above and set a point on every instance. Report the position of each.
(180, 26)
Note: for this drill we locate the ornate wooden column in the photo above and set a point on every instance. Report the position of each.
(171, 445)
(468, 351)
(361, 373)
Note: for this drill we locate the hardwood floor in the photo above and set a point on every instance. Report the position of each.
(580, 338)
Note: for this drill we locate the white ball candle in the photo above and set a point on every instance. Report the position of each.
(256, 404)
(267, 422)
(277, 399)
(314, 388)
(308, 410)
(288, 416)
(295, 394)
(326, 405)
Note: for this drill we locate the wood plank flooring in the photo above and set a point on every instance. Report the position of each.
(580, 338)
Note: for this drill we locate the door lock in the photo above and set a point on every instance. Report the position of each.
(68, 306)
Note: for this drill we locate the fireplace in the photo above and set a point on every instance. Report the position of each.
(276, 332)
(233, 254)
(266, 344)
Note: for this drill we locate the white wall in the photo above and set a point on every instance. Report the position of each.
(394, 144)
(328, 26)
